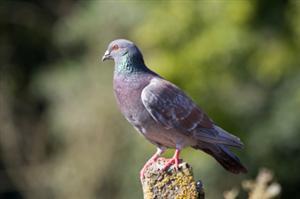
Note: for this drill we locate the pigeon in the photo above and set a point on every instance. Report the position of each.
(163, 113)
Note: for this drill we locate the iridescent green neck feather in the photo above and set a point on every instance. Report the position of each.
(129, 63)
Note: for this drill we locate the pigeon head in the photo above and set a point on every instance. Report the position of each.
(123, 51)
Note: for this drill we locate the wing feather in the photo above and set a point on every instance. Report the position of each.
(172, 108)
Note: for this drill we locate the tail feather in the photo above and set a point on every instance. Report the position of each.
(222, 134)
(225, 157)
(217, 135)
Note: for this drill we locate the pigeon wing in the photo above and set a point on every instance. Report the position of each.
(171, 107)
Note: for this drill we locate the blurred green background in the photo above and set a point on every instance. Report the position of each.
(61, 134)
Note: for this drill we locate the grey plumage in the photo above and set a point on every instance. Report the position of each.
(162, 112)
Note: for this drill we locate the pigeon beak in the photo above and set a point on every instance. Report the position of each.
(106, 56)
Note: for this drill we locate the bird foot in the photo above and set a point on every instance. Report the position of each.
(173, 161)
(143, 170)
(152, 160)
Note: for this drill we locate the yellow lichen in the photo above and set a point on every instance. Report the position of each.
(169, 184)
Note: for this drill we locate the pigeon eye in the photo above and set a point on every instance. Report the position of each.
(115, 47)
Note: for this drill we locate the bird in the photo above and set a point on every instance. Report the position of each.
(163, 113)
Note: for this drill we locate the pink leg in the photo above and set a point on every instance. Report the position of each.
(150, 161)
(174, 160)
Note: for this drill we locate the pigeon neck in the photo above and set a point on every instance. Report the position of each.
(130, 64)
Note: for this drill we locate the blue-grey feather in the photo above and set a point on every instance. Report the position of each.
(163, 113)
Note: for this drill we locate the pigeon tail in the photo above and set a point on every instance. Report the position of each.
(225, 157)
(217, 135)
(229, 139)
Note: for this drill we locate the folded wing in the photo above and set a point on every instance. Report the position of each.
(172, 108)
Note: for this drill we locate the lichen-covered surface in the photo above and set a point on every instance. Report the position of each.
(171, 183)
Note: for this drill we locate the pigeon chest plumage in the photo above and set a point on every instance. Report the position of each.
(128, 89)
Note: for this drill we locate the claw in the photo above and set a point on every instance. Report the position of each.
(174, 160)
